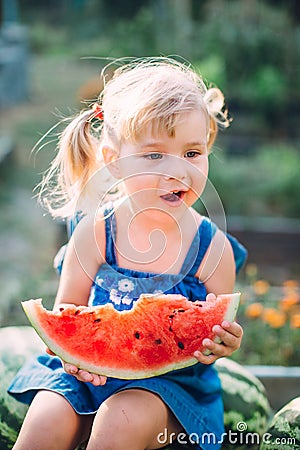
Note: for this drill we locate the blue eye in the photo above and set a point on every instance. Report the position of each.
(192, 154)
(154, 156)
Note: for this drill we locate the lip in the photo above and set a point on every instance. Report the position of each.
(173, 198)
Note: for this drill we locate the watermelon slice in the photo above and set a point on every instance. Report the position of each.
(159, 334)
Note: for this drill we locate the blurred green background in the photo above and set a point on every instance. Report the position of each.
(249, 48)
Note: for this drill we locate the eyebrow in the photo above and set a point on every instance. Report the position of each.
(159, 144)
(195, 144)
(156, 144)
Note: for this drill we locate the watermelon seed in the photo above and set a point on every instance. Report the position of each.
(77, 312)
(181, 310)
(170, 328)
(137, 335)
(97, 320)
(180, 345)
(171, 316)
(61, 309)
(158, 341)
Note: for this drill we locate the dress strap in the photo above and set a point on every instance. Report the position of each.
(110, 235)
(199, 246)
(110, 231)
(73, 221)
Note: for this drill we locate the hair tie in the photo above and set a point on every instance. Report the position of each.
(98, 111)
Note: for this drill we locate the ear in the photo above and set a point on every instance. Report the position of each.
(110, 158)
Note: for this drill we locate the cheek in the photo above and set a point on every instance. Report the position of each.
(200, 175)
(141, 184)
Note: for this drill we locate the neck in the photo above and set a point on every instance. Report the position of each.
(151, 219)
(152, 240)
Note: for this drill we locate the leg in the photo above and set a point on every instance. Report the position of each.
(51, 423)
(132, 419)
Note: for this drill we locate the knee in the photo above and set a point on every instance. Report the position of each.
(49, 420)
(115, 428)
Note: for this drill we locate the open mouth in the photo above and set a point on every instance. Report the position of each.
(173, 197)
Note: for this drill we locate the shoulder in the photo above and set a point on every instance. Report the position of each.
(217, 268)
(89, 237)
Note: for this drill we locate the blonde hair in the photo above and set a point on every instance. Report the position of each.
(143, 92)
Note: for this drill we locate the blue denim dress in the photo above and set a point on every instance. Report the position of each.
(193, 394)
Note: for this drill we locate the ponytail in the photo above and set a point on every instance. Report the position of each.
(78, 151)
(76, 161)
(217, 112)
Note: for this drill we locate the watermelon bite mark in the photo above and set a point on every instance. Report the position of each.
(159, 334)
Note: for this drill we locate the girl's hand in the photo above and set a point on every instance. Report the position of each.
(81, 375)
(230, 333)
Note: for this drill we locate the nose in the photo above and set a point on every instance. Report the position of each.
(176, 169)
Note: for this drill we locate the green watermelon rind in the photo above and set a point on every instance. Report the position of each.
(244, 396)
(284, 428)
(16, 345)
(31, 306)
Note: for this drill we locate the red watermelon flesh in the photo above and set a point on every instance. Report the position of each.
(159, 334)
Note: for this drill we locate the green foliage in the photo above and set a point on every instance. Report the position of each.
(270, 317)
(267, 86)
(134, 37)
(44, 39)
(250, 49)
(267, 181)
(212, 69)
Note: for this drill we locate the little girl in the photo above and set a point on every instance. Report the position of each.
(127, 174)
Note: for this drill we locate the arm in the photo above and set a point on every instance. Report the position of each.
(82, 261)
(217, 272)
(83, 258)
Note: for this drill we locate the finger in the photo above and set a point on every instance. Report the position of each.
(93, 378)
(70, 368)
(98, 380)
(103, 379)
(205, 359)
(211, 297)
(50, 352)
(226, 339)
(233, 328)
(83, 375)
(216, 348)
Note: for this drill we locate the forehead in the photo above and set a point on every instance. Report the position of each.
(189, 126)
